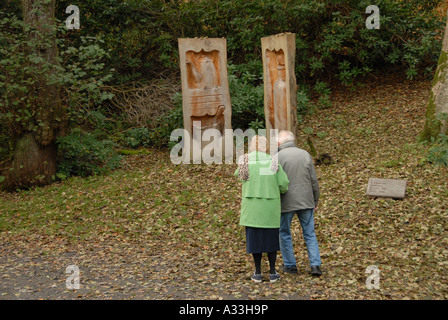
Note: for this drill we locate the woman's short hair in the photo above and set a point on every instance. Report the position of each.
(259, 143)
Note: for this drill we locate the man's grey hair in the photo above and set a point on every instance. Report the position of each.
(285, 136)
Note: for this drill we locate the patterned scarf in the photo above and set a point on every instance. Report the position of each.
(243, 166)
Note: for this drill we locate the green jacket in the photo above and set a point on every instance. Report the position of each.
(261, 202)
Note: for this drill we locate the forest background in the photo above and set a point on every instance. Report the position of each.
(96, 107)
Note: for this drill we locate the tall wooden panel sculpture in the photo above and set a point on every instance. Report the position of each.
(205, 88)
(280, 87)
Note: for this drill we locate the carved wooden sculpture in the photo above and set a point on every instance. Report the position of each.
(205, 89)
(280, 88)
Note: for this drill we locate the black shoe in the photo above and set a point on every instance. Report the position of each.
(256, 277)
(274, 277)
(292, 269)
(315, 271)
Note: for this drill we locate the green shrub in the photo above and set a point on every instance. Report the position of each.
(438, 152)
(79, 73)
(137, 137)
(247, 96)
(5, 143)
(82, 154)
(304, 106)
(324, 92)
(331, 36)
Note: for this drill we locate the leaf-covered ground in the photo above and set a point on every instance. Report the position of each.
(154, 230)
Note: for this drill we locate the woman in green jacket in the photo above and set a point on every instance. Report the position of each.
(263, 181)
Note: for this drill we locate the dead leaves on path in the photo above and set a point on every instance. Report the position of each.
(155, 230)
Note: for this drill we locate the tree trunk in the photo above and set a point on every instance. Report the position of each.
(35, 151)
(436, 122)
(32, 165)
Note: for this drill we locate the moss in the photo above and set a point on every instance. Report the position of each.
(32, 164)
(432, 124)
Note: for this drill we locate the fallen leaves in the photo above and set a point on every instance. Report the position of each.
(155, 230)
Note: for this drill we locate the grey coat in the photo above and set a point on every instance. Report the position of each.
(303, 192)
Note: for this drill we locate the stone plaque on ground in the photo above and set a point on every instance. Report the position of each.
(386, 188)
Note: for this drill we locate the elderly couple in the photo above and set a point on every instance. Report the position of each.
(274, 190)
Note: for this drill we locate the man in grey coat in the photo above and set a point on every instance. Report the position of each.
(301, 199)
